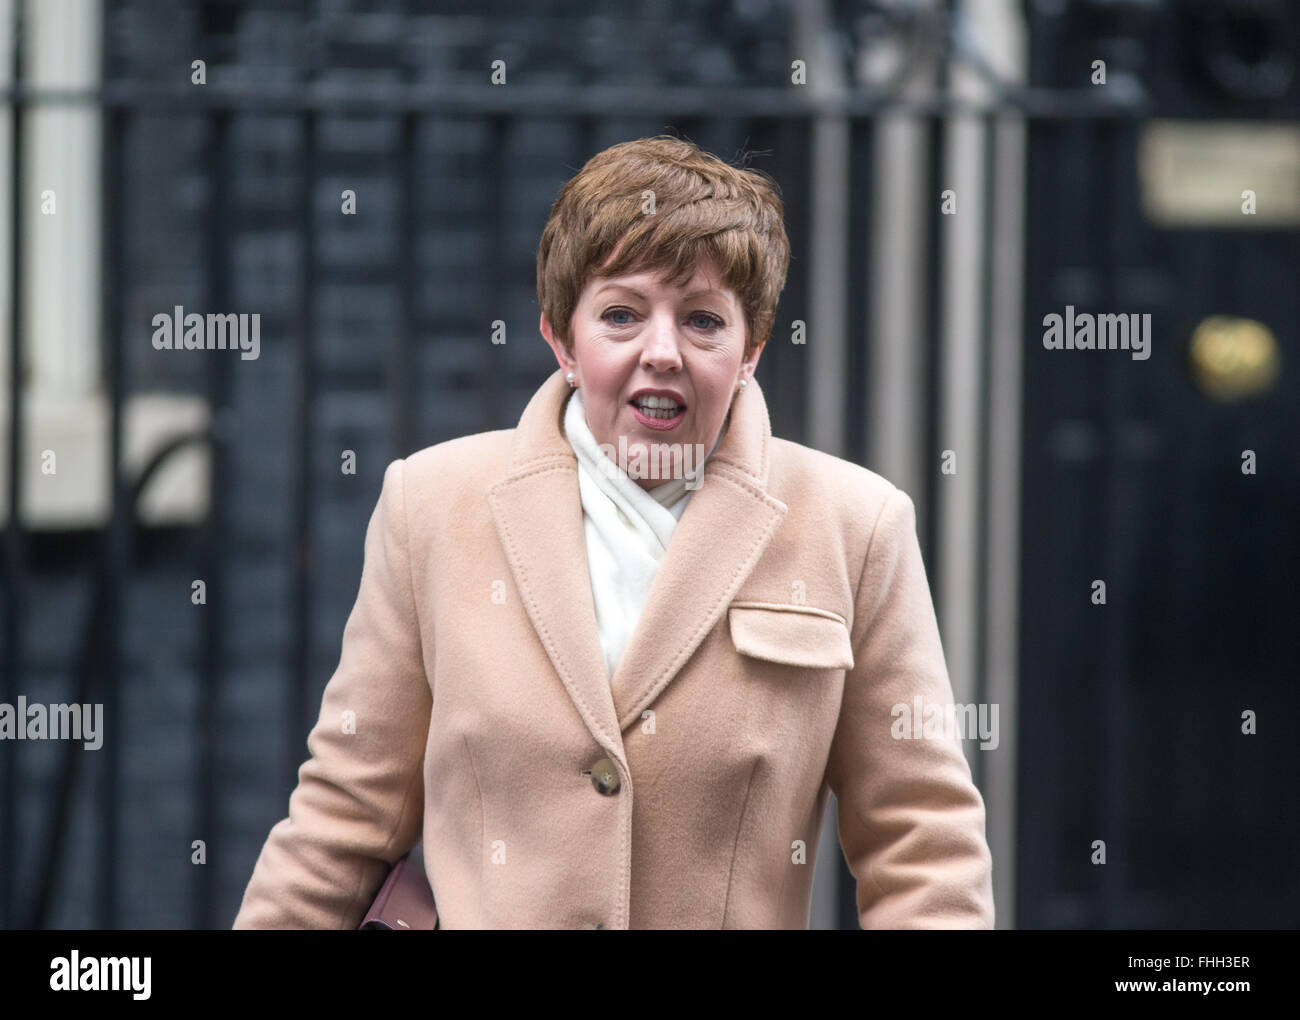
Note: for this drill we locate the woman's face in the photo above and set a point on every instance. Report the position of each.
(635, 337)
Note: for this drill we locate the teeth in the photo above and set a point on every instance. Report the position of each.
(658, 407)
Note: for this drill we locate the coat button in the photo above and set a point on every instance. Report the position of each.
(592, 926)
(604, 777)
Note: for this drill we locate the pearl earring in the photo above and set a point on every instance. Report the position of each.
(572, 385)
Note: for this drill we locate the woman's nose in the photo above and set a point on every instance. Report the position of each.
(660, 352)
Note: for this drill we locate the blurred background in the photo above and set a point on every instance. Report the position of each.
(952, 172)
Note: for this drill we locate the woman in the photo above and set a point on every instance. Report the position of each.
(614, 696)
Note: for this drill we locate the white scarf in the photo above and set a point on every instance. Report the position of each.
(627, 531)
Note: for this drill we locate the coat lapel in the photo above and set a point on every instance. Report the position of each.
(538, 514)
(726, 527)
(538, 517)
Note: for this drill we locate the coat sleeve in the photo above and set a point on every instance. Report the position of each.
(911, 821)
(357, 808)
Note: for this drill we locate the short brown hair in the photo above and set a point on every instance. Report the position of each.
(703, 208)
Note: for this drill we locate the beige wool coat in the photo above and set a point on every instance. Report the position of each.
(790, 614)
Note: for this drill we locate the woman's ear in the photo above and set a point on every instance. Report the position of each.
(552, 341)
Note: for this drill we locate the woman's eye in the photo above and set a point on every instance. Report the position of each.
(699, 320)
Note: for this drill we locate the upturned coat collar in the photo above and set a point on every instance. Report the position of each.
(537, 511)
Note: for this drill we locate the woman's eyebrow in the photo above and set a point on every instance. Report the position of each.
(618, 286)
(708, 292)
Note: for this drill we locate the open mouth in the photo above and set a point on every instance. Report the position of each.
(657, 412)
(658, 407)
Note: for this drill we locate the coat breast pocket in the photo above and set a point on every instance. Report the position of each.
(790, 635)
(787, 691)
